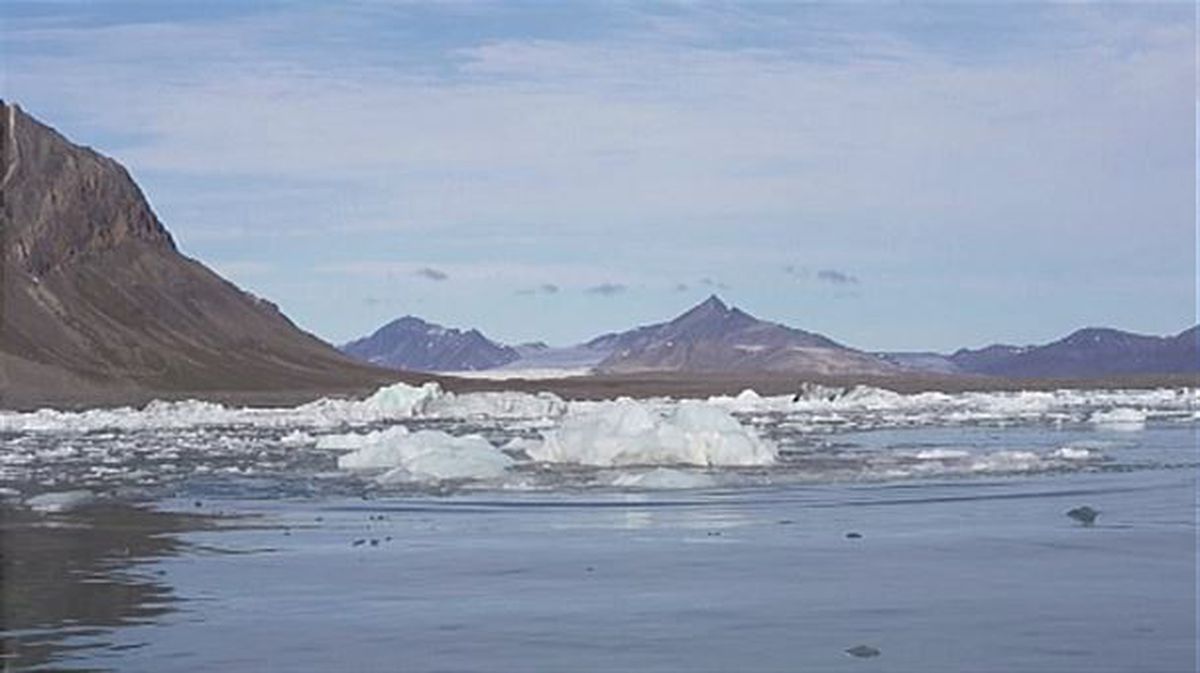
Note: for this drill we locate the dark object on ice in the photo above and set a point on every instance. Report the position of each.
(591, 569)
(853, 536)
(374, 542)
(359, 542)
(198, 503)
(863, 651)
(1084, 515)
(785, 522)
(714, 533)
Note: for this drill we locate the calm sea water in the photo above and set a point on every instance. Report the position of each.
(852, 540)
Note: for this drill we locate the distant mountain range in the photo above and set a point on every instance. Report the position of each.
(713, 337)
(1089, 352)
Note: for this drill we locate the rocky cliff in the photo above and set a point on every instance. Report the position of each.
(96, 297)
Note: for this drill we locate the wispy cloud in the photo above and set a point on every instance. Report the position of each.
(835, 277)
(544, 288)
(607, 289)
(430, 273)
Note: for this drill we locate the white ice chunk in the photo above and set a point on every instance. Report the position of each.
(626, 432)
(61, 501)
(427, 455)
(296, 438)
(941, 454)
(1073, 453)
(498, 405)
(1120, 419)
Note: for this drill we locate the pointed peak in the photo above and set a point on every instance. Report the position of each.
(713, 302)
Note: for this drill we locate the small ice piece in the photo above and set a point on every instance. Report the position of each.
(1072, 453)
(863, 651)
(504, 404)
(1007, 461)
(664, 479)
(1123, 418)
(428, 455)
(1084, 515)
(296, 438)
(627, 432)
(941, 454)
(61, 501)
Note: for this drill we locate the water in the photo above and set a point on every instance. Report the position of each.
(239, 545)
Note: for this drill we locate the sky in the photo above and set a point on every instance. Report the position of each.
(895, 176)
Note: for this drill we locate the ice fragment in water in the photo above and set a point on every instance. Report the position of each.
(627, 432)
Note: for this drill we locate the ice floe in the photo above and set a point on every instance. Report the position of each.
(426, 455)
(627, 432)
(1120, 419)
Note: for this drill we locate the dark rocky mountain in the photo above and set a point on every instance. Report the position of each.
(712, 337)
(413, 344)
(1089, 352)
(96, 297)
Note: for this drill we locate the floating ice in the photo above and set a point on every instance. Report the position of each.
(1120, 419)
(1073, 453)
(427, 455)
(296, 438)
(626, 432)
(61, 501)
(497, 405)
(941, 454)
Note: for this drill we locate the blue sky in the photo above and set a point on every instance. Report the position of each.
(896, 176)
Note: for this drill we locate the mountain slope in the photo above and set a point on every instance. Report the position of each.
(95, 293)
(712, 337)
(413, 344)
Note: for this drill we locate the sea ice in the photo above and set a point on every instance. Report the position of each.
(626, 432)
(427, 455)
(61, 501)
(1120, 419)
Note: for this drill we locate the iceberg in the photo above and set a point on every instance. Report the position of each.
(626, 432)
(427, 455)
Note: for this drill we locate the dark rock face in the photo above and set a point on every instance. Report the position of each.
(95, 293)
(712, 337)
(413, 344)
(1087, 353)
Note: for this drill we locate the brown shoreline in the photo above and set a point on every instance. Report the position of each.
(582, 387)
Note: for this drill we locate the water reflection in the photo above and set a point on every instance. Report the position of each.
(70, 579)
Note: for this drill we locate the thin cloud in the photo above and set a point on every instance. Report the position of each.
(430, 273)
(607, 289)
(710, 282)
(835, 277)
(544, 288)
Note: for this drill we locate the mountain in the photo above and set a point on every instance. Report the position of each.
(712, 337)
(413, 344)
(96, 296)
(1089, 352)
